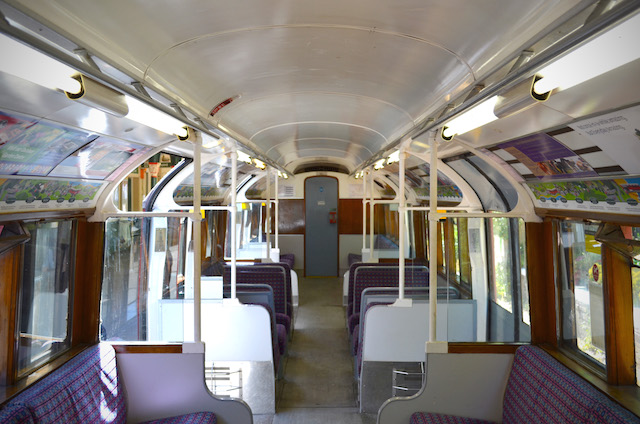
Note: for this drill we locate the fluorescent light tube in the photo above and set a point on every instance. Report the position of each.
(208, 141)
(243, 157)
(24, 62)
(475, 117)
(612, 49)
(154, 118)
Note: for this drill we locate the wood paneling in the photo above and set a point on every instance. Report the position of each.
(482, 348)
(540, 276)
(291, 218)
(148, 348)
(420, 230)
(618, 302)
(88, 282)
(9, 279)
(350, 216)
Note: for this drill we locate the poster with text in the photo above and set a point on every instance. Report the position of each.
(617, 134)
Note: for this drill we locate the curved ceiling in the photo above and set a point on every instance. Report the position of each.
(333, 81)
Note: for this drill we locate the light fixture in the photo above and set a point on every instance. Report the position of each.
(612, 49)
(519, 98)
(27, 63)
(475, 117)
(379, 164)
(209, 141)
(259, 164)
(243, 157)
(99, 96)
(24, 62)
(394, 157)
(151, 117)
(282, 175)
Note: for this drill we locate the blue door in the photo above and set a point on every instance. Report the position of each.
(321, 227)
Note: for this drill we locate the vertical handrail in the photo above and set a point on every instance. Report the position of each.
(371, 205)
(197, 238)
(433, 239)
(277, 207)
(267, 225)
(234, 213)
(364, 209)
(402, 204)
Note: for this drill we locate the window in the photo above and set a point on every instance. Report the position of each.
(635, 278)
(502, 292)
(524, 282)
(147, 283)
(120, 310)
(581, 294)
(44, 319)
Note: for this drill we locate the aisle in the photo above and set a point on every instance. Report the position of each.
(318, 385)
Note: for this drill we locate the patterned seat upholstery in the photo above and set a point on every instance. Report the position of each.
(72, 393)
(86, 389)
(197, 418)
(427, 418)
(386, 276)
(278, 276)
(542, 390)
(289, 259)
(16, 414)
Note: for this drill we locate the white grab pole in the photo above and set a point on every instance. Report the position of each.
(234, 213)
(402, 204)
(371, 205)
(267, 224)
(197, 238)
(277, 207)
(364, 208)
(433, 240)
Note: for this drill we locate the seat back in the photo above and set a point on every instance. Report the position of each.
(386, 276)
(86, 389)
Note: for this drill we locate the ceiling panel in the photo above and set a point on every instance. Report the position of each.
(362, 71)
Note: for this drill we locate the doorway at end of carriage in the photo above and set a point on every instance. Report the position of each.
(321, 227)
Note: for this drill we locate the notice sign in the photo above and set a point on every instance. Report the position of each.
(617, 134)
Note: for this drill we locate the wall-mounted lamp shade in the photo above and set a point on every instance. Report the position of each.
(394, 157)
(475, 117)
(259, 164)
(24, 62)
(151, 117)
(612, 49)
(243, 157)
(518, 98)
(99, 96)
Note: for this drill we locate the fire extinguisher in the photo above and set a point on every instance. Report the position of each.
(333, 216)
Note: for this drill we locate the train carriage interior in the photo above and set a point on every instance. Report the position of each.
(273, 212)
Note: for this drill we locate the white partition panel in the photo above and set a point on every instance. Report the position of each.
(464, 384)
(398, 334)
(236, 332)
(159, 385)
